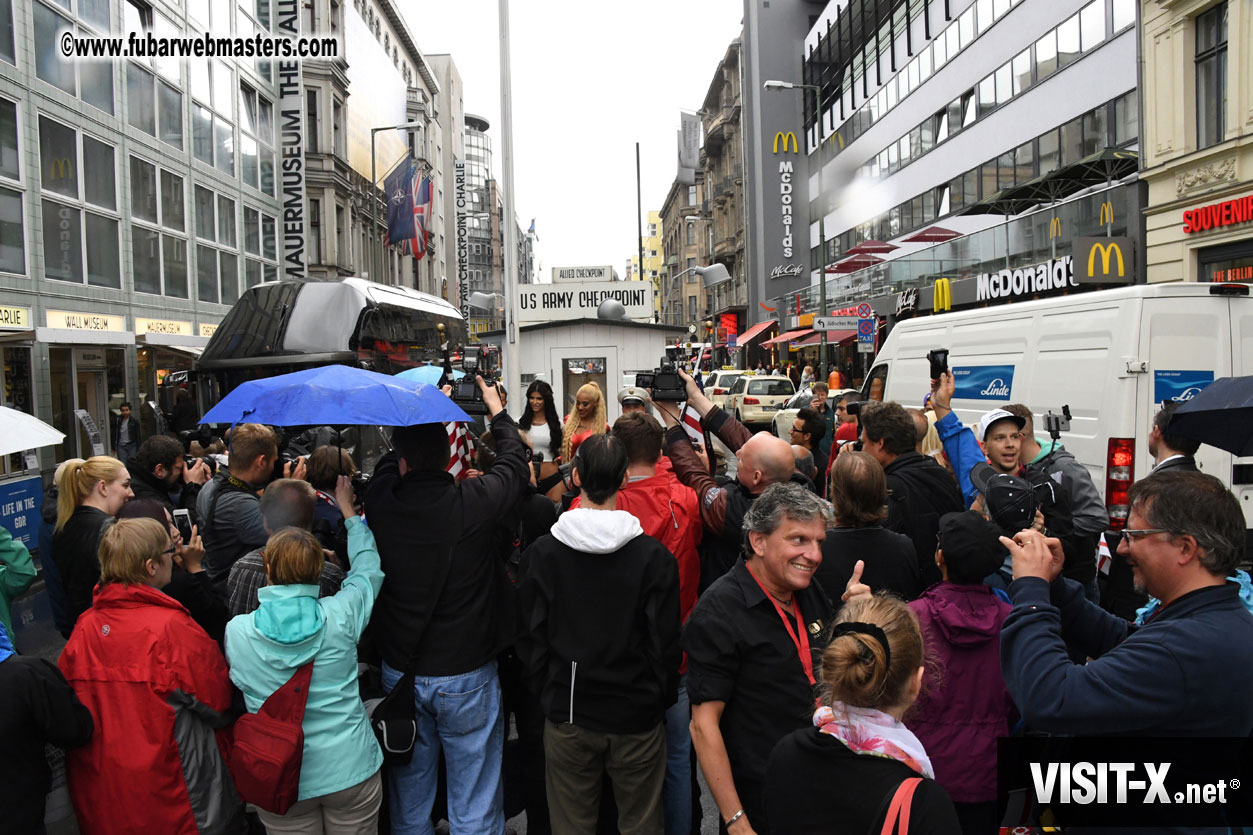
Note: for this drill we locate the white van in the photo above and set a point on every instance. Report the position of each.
(1113, 356)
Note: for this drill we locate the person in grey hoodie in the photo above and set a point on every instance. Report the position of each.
(599, 638)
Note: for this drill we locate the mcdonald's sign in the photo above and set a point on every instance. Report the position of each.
(1107, 211)
(785, 138)
(1055, 228)
(1107, 260)
(1108, 252)
(60, 168)
(942, 298)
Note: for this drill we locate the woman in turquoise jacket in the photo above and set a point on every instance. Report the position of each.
(340, 789)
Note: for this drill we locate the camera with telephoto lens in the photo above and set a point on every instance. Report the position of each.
(664, 383)
(855, 410)
(189, 461)
(483, 361)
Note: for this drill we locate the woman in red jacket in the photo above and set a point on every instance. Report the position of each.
(147, 673)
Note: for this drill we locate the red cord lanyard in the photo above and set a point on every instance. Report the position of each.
(798, 634)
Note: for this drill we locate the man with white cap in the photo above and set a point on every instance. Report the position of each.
(633, 399)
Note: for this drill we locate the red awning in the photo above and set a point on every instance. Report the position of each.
(754, 332)
(788, 337)
(933, 235)
(871, 248)
(833, 338)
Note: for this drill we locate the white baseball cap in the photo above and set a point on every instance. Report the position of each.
(993, 416)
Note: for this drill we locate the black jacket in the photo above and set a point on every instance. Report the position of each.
(920, 491)
(428, 526)
(37, 706)
(806, 764)
(1183, 463)
(76, 549)
(890, 563)
(133, 422)
(600, 631)
(145, 485)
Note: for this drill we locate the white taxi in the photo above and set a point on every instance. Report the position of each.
(755, 400)
(718, 385)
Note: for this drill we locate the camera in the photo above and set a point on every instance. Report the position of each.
(360, 481)
(1056, 424)
(189, 461)
(664, 383)
(483, 361)
(939, 362)
(537, 457)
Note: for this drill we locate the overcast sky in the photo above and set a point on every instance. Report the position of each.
(589, 81)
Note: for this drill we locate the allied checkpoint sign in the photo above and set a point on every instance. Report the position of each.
(579, 300)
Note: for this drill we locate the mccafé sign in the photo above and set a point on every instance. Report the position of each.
(1218, 215)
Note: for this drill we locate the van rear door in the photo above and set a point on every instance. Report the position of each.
(1190, 343)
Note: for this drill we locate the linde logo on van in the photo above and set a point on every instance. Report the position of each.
(1054, 274)
(996, 388)
(544, 303)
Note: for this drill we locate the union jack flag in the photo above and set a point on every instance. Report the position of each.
(459, 461)
(421, 215)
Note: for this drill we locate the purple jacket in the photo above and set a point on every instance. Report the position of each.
(964, 705)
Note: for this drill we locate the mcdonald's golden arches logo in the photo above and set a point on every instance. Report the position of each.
(943, 295)
(1055, 228)
(60, 168)
(1108, 251)
(1107, 211)
(785, 138)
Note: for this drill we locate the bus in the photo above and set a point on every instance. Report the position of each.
(284, 326)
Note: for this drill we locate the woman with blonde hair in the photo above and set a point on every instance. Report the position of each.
(149, 675)
(872, 671)
(90, 493)
(587, 417)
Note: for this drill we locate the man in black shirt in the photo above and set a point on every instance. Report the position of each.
(158, 471)
(920, 491)
(444, 614)
(750, 669)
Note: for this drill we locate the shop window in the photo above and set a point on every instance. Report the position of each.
(1211, 76)
(17, 395)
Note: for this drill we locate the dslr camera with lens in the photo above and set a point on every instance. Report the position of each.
(664, 383)
(482, 360)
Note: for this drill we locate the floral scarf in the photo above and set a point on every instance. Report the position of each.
(868, 731)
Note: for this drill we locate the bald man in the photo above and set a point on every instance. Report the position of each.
(762, 460)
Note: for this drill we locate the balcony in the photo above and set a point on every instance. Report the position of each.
(725, 247)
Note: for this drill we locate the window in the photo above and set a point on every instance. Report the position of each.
(90, 80)
(987, 94)
(1046, 55)
(315, 231)
(341, 237)
(226, 221)
(1022, 71)
(1068, 42)
(311, 121)
(6, 32)
(1126, 118)
(1124, 14)
(256, 146)
(969, 114)
(159, 260)
(1005, 170)
(956, 194)
(337, 125)
(691, 233)
(70, 229)
(141, 104)
(691, 196)
(966, 27)
(1095, 130)
(1004, 84)
(691, 308)
(212, 88)
(1211, 76)
(12, 236)
(1072, 141)
(988, 176)
(1092, 25)
(143, 190)
(1050, 157)
(1024, 162)
(983, 15)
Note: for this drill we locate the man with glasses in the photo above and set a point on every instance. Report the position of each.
(1186, 671)
(807, 431)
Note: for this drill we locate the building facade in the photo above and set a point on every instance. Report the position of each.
(450, 151)
(685, 241)
(966, 139)
(722, 163)
(1198, 148)
(654, 258)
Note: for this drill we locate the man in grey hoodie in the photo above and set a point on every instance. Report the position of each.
(599, 637)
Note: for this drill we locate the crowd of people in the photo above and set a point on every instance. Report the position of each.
(831, 628)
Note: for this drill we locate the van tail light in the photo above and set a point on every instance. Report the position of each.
(719, 391)
(751, 401)
(1119, 473)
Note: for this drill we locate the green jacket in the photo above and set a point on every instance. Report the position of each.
(17, 573)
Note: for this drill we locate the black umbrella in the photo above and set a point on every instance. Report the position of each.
(1221, 415)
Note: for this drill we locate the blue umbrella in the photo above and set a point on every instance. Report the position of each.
(1221, 415)
(335, 395)
(428, 374)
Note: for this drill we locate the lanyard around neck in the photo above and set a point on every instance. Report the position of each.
(797, 633)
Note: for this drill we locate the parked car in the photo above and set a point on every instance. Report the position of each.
(718, 385)
(786, 416)
(755, 399)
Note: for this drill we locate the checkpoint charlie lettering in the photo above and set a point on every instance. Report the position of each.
(1054, 274)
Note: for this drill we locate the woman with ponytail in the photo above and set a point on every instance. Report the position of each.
(587, 417)
(859, 759)
(90, 493)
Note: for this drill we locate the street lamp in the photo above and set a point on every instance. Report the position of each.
(822, 214)
(483, 301)
(374, 215)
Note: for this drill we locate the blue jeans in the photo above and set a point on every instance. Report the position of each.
(676, 792)
(462, 715)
